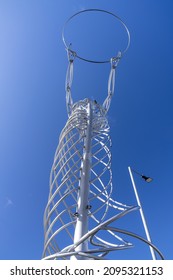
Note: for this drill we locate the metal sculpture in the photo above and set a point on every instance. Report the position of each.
(77, 222)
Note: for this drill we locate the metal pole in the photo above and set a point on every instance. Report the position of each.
(82, 211)
(142, 214)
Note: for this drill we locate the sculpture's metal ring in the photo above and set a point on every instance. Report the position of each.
(94, 10)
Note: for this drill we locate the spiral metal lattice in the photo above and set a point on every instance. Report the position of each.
(62, 212)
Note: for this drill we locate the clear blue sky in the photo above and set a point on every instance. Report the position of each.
(33, 65)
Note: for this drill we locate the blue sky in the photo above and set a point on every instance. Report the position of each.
(33, 65)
